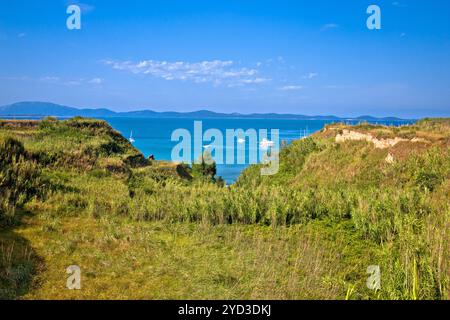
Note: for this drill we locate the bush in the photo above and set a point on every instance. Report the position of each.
(19, 178)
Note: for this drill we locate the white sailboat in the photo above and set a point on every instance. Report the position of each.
(131, 138)
(266, 144)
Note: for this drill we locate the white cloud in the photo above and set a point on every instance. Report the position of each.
(337, 86)
(330, 26)
(96, 81)
(73, 82)
(85, 8)
(398, 4)
(242, 82)
(49, 79)
(69, 82)
(17, 78)
(311, 75)
(256, 80)
(216, 71)
(55, 80)
(291, 88)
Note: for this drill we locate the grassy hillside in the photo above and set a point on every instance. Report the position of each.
(76, 192)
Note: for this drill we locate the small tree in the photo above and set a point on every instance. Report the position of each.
(205, 167)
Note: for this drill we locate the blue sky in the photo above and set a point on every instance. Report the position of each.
(304, 57)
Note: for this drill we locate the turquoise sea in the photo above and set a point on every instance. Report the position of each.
(153, 136)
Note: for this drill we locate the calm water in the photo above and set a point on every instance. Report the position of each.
(153, 136)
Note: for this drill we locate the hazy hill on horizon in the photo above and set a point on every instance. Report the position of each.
(22, 109)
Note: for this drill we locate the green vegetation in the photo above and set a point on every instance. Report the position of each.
(76, 192)
(20, 178)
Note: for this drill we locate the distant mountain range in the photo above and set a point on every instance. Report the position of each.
(41, 109)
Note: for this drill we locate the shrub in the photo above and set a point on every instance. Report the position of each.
(19, 178)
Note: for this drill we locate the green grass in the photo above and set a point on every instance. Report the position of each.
(156, 230)
(125, 259)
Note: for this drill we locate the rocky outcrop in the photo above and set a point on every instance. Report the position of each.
(348, 135)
